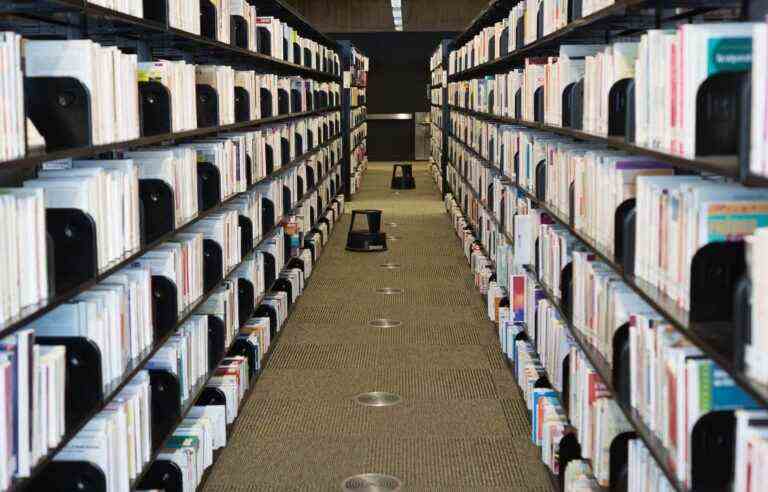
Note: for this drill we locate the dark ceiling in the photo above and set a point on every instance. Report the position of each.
(376, 15)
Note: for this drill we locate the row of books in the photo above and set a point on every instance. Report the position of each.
(438, 78)
(667, 79)
(527, 21)
(112, 81)
(436, 96)
(107, 191)
(357, 96)
(358, 67)
(436, 59)
(359, 157)
(660, 356)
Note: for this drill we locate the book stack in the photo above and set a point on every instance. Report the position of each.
(32, 418)
(130, 7)
(12, 94)
(184, 16)
(242, 8)
(222, 80)
(108, 75)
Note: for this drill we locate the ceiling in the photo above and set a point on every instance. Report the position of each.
(376, 15)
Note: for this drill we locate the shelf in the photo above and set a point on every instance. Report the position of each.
(358, 125)
(714, 339)
(36, 159)
(624, 17)
(31, 313)
(727, 166)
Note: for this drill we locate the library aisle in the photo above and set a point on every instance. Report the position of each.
(461, 423)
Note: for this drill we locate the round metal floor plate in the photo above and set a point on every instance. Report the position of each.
(392, 224)
(389, 291)
(378, 399)
(371, 482)
(385, 323)
(392, 238)
(390, 266)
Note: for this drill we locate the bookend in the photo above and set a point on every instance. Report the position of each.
(307, 58)
(242, 348)
(208, 20)
(266, 103)
(158, 214)
(618, 475)
(574, 10)
(713, 451)
(624, 240)
(718, 113)
(162, 475)
(568, 450)
(73, 233)
(368, 240)
(286, 248)
(406, 180)
(566, 289)
(283, 102)
(270, 269)
(208, 186)
(504, 42)
(716, 270)
(267, 311)
(565, 375)
(541, 181)
(238, 29)
(296, 101)
(165, 298)
(165, 391)
(540, 21)
(207, 105)
(84, 381)
(742, 320)
(213, 264)
(217, 335)
(575, 106)
(246, 300)
(246, 236)
(263, 42)
(60, 108)
(283, 285)
(618, 102)
(299, 187)
(298, 143)
(242, 105)
(572, 206)
(156, 10)
(310, 139)
(287, 200)
(629, 122)
(285, 151)
(269, 158)
(520, 33)
(267, 216)
(70, 476)
(211, 396)
(310, 177)
(620, 365)
(519, 104)
(155, 109)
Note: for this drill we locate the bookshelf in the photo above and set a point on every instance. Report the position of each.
(718, 339)
(355, 67)
(440, 63)
(150, 38)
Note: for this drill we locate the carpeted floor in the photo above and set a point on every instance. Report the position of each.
(461, 424)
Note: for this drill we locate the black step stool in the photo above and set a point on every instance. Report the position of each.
(405, 181)
(369, 240)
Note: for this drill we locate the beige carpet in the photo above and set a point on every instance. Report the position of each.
(462, 423)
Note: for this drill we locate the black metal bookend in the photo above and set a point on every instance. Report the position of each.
(158, 214)
(295, 263)
(267, 111)
(208, 186)
(287, 200)
(283, 102)
(565, 374)
(165, 406)
(213, 264)
(238, 29)
(620, 364)
(283, 285)
(618, 464)
(269, 158)
(519, 104)
(246, 235)
(243, 348)
(73, 233)
(285, 151)
(742, 320)
(264, 41)
(70, 476)
(538, 105)
(267, 311)
(246, 299)
(718, 114)
(242, 105)
(504, 41)
(207, 106)
(296, 101)
(577, 105)
(716, 270)
(286, 246)
(299, 143)
(618, 102)
(566, 100)
(299, 188)
(574, 10)
(163, 475)
(60, 108)
(211, 396)
(540, 22)
(520, 33)
(84, 380)
(165, 298)
(208, 21)
(217, 335)
(310, 139)
(541, 181)
(568, 450)
(156, 10)
(571, 205)
(270, 268)
(624, 240)
(566, 289)
(267, 216)
(307, 57)
(155, 108)
(713, 450)
(629, 120)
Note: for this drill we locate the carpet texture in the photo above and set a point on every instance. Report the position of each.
(461, 424)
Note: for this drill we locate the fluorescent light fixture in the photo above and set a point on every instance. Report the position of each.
(397, 14)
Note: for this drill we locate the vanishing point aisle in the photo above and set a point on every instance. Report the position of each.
(461, 422)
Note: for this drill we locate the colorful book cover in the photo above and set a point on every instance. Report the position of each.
(732, 221)
(718, 391)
